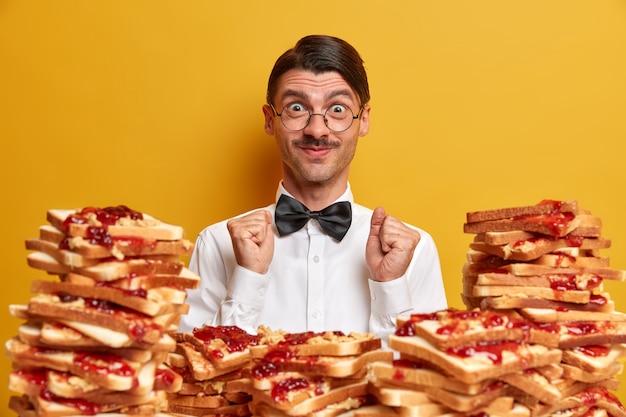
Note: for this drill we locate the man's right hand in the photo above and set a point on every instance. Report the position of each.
(253, 240)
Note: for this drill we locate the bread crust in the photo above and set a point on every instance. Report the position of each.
(569, 206)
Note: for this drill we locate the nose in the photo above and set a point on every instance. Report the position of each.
(317, 126)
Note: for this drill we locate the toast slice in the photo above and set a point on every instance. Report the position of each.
(118, 221)
(62, 256)
(556, 225)
(452, 328)
(106, 371)
(568, 296)
(543, 207)
(109, 270)
(185, 279)
(548, 315)
(591, 377)
(152, 302)
(136, 326)
(549, 217)
(586, 333)
(315, 343)
(25, 408)
(594, 358)
(563, 282)
(535, 384)
(533, 248)
(200, 368)
(561, 260)
(593, 396)
(224, 346)
(480, 361)
(58, 336)
(282, 359)
(352, 394)
(413, 375)
(597, 303)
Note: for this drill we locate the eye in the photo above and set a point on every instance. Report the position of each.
(295, 108)
(337, 110)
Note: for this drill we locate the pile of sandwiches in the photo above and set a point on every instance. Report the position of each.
(96, 333)
(272, 373)
(213, 362)
(321, 374)
(543, 263)
(540, 335)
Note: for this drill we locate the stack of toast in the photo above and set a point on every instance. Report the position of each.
(312, 374)
(214, 362)
(544, 263)
(464, 362)
(96, 336)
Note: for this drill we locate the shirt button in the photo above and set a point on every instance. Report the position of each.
(316, 259)
(316, 314)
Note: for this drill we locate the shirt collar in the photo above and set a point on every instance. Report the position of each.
(346, 196)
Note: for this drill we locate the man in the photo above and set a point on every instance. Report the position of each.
(305, 272)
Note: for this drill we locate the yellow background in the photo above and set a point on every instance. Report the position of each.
(157, 105)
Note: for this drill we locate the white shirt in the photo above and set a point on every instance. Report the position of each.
(314, 283)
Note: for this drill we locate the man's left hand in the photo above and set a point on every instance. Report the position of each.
(390, 246)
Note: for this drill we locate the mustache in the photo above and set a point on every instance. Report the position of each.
(316, 143)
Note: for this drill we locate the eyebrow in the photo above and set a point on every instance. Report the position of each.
(337, 93)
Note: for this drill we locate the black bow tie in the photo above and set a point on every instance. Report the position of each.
(291, 215)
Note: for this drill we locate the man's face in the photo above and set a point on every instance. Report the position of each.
(315, 154)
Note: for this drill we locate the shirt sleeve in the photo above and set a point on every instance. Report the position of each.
(205, 300)
(244, 300)
(228, 294)
(419, 290)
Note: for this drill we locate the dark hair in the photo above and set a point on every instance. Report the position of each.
(319, 54)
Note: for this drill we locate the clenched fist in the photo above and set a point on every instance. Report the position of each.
(390, 246)
(253, 240)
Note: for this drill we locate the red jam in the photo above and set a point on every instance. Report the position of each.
(164, 377)
(235, 338)
(574, 241)
(264, 369)
(568, 282)
(406, 330)
(282, 388)
(591, 396)
(85, 407)
(531, 240)
(99, 235)
(581, 328)
(595, 351)
(107, 216)
(555, 221)
(38, 377)
(597, 299)
(490, 350)
(406, 363)
(139, 292)
(138, 329)
(103, 364)
(302, 338)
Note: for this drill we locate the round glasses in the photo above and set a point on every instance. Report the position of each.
(337, 118)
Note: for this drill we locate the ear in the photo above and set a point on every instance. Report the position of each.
(269, 119)
(364, 125)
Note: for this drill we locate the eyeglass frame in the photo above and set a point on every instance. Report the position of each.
(354, 117)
